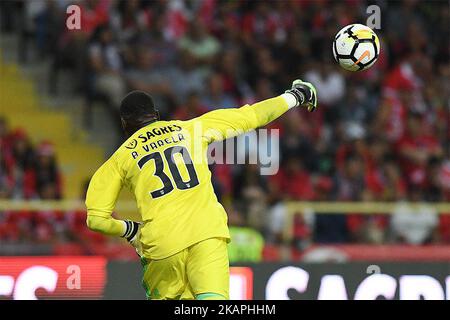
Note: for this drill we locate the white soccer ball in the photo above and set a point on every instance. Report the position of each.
(356, 47)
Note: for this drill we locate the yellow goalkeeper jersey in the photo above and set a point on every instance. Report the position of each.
(165, 166)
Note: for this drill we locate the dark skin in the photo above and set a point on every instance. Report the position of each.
(130, 126)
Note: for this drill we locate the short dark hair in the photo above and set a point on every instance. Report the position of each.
(137, 110)
(136, 104)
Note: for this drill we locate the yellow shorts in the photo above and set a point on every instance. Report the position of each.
(198, 272)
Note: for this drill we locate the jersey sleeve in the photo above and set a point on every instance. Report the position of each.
(222, 124)
(104, 190)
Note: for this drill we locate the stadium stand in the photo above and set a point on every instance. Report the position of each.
(382, 135)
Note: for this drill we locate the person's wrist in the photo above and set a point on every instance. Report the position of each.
(290, 98)
(131, 230)
(299, 95)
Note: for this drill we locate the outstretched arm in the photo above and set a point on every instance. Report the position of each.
(226, 123)
(301, 94)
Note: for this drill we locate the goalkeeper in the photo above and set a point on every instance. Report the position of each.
(182, 239)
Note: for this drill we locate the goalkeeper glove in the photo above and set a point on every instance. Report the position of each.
(305, 94)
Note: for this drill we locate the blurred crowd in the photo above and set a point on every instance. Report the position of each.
(27, 171)
(31, 172)
(378, 135)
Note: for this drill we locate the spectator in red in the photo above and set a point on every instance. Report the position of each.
(93, 14)
(191, 109)
(292, 181)
(302, 233)
(415, 149)
(408, 77)
(383, 176)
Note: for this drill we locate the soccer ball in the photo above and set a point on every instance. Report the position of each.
(356, 47)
